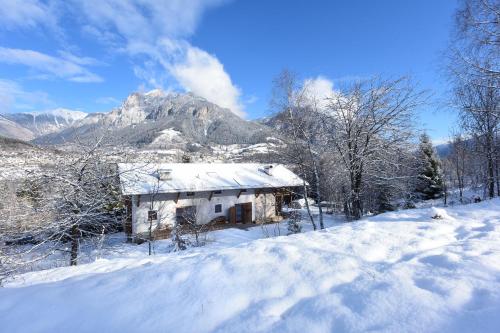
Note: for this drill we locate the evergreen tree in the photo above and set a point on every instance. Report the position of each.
(383, 200)
(429, 179)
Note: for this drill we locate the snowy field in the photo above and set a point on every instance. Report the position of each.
(395, 272)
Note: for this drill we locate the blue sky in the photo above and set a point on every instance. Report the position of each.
(89, 55)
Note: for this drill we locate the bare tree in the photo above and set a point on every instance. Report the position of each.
(297, 120)
(459, 159)
(154, 212)
(473, 69)
(368, 125)
(480, 117)
(58, 208)
(87, 196)
(188, 225)
(476, 44)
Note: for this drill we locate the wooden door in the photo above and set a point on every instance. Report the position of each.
(279, 203)
(232, 214)
(239, 213)
(247, 212)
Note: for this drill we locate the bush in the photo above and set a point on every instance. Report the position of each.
(294, 222)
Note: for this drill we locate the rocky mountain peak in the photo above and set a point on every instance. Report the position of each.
(149, 119)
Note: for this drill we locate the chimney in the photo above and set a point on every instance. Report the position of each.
(268, 169)
(164, 174)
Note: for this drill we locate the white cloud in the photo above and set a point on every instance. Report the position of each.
(108, 100)
(146, 20)
(65, 67)
(25, 13)
(14, 98)
(156, 29)
(152, 32)
(82, 61)
(204, 75)
(318, 90)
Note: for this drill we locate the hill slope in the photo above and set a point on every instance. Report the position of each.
(11, 129)
(396, 272)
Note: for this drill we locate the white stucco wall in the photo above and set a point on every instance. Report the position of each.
(164, 204)
(264, 206)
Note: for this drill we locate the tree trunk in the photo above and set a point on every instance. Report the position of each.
(445, 187)
(490, 180)
(356, 204)
(318, 195)
(490, 164)
(497, 178)
(347, 210)
(75, 238)
(150, 236)
(307, 205)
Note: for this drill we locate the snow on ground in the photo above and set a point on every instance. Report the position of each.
(396, 272)
(167, 136)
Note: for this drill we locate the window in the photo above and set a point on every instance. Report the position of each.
(186, 214)
(218, 208)
(218, 192)
(190, 194)
(243, 190)
(152, 215)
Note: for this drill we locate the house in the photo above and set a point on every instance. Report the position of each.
(159, 195)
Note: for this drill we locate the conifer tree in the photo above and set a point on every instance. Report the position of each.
(383, 200)
(429, 179)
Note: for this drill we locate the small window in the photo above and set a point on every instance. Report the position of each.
(243, 190)
(190, 194)
(218, 192)
(152, 215)
(218, 208)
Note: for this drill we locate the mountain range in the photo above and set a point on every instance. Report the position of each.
(155, 119)
(29, 125)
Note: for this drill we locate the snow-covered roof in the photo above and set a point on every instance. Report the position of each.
(141, 178)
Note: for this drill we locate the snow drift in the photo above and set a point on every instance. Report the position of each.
(396, 272)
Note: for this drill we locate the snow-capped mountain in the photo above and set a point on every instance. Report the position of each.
(46, 122)
(11, 129)
(144, 118)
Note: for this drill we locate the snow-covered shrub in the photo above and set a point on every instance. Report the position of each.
(302, 202)
(294, 222)
(409, 205)
(178, 241)
(440, 214)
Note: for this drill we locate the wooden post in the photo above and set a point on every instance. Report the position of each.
(178, 195)
(210, 196)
